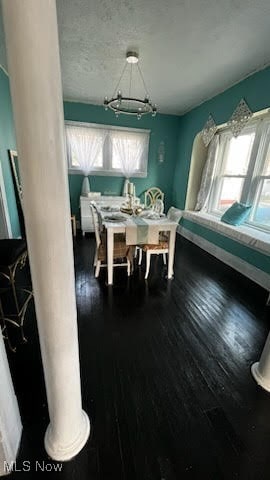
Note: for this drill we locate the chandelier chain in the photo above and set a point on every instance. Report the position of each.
(143, 81)
(130, 80)
(118, 83)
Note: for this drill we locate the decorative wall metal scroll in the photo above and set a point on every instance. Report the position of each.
(239, 118)
(208, 130)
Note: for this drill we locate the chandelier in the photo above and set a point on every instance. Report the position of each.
(129, 105)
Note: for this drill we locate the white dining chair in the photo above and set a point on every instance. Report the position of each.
(152, 195)
(120, 251)
(162, 247)
(158, 206)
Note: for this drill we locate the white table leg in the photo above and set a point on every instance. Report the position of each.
(110, 241)
(171, 252)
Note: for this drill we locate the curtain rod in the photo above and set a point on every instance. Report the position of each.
(258, 114)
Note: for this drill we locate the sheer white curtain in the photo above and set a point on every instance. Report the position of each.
(208, 174)
(85, 144)
(129, 151)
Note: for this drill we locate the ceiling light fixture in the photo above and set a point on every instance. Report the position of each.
(128, 105)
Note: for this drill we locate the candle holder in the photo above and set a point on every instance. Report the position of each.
(130, 188)
(130, 200)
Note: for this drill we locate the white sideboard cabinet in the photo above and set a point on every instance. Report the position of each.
(106, 200)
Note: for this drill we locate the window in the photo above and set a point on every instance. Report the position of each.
(132, 148)
(96, 135)
(242, 172)
(124, 151)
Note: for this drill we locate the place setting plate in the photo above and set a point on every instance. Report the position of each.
(151, 215)
(115, 218)
(109, 209)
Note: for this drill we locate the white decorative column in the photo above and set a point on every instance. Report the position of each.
(10, 420)
(34, 68)
(261, 370)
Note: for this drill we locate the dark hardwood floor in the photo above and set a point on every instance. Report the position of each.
(165, 375)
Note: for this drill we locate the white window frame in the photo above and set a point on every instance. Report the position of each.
(106, 169)
(254, 178)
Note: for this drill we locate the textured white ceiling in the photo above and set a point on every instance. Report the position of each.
(189, 50)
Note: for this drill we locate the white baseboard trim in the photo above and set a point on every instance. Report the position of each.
(253, 273)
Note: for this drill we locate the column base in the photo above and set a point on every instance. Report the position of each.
(63, 453)
(265, 384)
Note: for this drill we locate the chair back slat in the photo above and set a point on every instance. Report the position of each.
(152, 195)
(96, 221)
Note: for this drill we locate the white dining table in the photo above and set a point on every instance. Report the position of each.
(112, 227)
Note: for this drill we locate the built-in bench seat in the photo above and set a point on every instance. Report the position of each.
(244, 248)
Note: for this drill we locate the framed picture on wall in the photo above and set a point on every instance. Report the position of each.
(13, 158)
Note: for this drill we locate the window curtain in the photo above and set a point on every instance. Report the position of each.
(85, 144)
(208, 174)
(130, 149)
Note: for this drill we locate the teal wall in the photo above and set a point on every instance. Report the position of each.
(7, 142)
(163, 128)
(255, 90)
